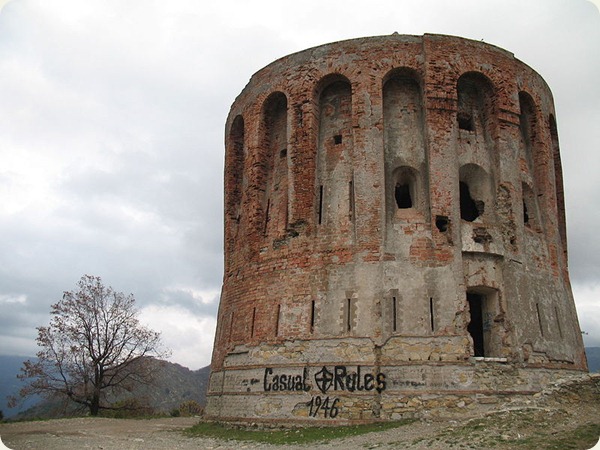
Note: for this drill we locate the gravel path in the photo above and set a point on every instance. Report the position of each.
(166, 433)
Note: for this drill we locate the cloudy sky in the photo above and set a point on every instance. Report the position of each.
(111, 138)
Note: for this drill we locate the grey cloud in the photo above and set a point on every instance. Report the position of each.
(121, 111)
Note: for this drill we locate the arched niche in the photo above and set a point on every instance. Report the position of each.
(558, 183)
(405, 156)
(334, 173)
(273, 167)
(234, 179)
(476, 193)
(527, 128)
(406, 190)
(403, 118)
(476, 109)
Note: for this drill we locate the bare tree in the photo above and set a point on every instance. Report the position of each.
(93, 348)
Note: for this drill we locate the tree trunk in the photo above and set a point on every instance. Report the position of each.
(95, 405)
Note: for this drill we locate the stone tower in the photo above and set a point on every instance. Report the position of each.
(394, 235)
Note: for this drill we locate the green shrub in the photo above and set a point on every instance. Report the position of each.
(190, 408)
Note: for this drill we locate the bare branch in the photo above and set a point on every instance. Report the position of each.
(93, 344)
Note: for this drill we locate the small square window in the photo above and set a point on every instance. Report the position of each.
(465, 122)
(337, 139)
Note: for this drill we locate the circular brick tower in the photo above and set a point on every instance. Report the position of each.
(394, 235)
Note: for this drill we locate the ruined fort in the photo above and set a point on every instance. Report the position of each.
(395, 236)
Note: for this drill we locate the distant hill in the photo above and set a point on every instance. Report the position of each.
(173, 385)
(10, 366)
(593, 357)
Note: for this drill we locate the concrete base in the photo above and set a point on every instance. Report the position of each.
(368, 388)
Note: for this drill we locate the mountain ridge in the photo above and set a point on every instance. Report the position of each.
(173, 385)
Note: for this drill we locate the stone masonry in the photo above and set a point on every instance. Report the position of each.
(395, 237)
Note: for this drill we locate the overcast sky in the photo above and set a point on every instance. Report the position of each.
(112, 119)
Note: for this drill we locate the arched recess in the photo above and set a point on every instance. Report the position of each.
(407, 192)
(558, 182)
(477, 121)
(531, 158)
(476, 193)
(476, 111)
(405, 158)
(527, 127)
(274, 164)
(334, 174)
(235, 180)
(235, 168)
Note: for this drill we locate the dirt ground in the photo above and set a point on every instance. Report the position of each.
(567, 416)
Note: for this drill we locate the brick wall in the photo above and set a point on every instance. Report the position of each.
(372, 187)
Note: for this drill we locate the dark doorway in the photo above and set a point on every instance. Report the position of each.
(475, 327)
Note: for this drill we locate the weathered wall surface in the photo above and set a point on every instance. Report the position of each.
(394, 234)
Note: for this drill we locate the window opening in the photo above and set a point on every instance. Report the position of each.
(431, 314)
(312, 316)
(350, 200)
(441, 223)
(465, 121)
(337, 139)
(394, 314)
(525, 213)
(558, 321)
(348, 314)
(252, 324)
(539, 316)
(403, 198)
(320, 204)
(470, 209)
(475, 327)
(277, 320)
(267, 217)
(283, 153)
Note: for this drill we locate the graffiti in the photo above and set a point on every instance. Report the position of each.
(328, 407)
(285, 382)
(340, 378)
(336, 379)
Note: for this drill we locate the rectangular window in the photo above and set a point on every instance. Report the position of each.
(312, 316)
(320, 212)
(394, 314)
(277, 318)
(348, 315)
(252, 324)
(537, 308)
(351, 200)
(267, 217)
(431, 316)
